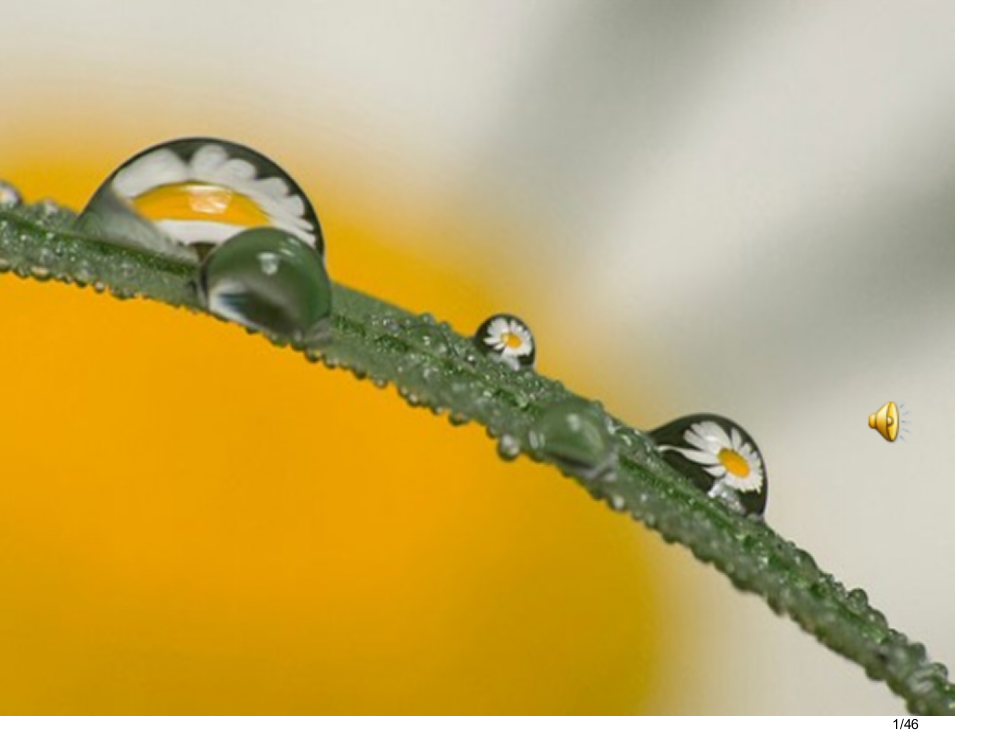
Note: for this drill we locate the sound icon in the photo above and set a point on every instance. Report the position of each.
(887, 422)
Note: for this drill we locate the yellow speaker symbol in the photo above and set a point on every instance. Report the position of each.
(885, 421)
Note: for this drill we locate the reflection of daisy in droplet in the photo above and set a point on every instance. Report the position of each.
(730, 459)
(509, 338)
(211, 196)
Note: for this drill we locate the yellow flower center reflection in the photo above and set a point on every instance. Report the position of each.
(733, 462)
(511, 340)
(197, 522)
(190, 201)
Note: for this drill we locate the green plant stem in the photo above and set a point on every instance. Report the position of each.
(432, 366)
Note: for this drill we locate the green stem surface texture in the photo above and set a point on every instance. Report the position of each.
(434, 367)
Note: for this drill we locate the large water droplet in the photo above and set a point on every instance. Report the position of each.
(508, 339)
(719, 457)
(9, 195)
(574, 434)
(269, 280)
(184, 197)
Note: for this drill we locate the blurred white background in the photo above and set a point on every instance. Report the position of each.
(738, 207)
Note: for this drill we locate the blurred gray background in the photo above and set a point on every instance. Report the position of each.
(741, 207)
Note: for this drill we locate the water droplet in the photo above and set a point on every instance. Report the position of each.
(184, 197)
(718, 456)
(573, 433)
(858, 598)
(507, 339)
(508, 447)
(803, 559)
(9, 195)
(432, 337)
(457, 418)
(924, 679)
(268, 280)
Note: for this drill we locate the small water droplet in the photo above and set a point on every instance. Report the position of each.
(507, 339)
(719, 457)
(184, 197)
(9, 195)
(508, 447)
(83, 274)
(858, 598)
(457, 418)
(432, 338)
(268, 280)
(574, 434)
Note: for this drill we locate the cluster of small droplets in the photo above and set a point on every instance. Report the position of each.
(39, 242)
(754, 558)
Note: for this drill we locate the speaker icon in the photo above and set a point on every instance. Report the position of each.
(887, 422)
